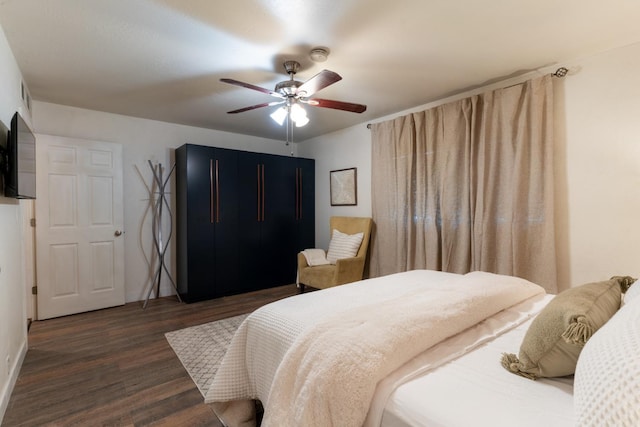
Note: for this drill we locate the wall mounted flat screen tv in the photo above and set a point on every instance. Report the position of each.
(20, 161)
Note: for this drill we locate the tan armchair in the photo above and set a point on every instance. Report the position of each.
(345, 270)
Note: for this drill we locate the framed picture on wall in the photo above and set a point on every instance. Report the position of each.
(343, 187)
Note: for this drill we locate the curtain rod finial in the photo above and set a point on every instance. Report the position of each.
(561, 72)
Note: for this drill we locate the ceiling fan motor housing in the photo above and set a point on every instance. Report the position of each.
(288, 88)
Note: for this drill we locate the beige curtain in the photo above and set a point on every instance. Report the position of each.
(468, 186)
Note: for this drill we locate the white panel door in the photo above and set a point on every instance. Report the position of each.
(79, 220)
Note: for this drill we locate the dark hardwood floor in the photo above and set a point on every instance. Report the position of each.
(114, 367)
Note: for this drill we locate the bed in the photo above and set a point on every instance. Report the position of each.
(410, 349)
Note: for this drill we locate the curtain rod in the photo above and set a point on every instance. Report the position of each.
(560, 73)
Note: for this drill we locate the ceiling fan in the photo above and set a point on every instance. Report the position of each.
(292, 93)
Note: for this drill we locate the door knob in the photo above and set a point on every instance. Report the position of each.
(118, 233)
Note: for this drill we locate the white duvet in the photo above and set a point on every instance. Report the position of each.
(460, 382)
(316, 359)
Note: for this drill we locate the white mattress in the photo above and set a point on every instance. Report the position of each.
(475, 390)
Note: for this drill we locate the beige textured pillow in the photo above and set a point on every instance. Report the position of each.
(606, 387)
(343, 245)
(557, 335)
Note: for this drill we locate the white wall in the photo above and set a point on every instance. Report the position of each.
(600, 220)
(13, 326)
(142, 140)
(597, 166)
(339, 150)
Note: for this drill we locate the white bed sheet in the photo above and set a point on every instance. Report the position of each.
(475, 390)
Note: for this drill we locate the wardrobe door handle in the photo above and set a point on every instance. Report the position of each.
(211, 193)
(258, 192)
(217, 191)
(263, 193)
(300, 194)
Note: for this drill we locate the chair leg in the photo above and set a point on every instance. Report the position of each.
(301, 286)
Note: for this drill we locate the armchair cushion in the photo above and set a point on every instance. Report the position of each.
(314, 276)
(343, 245)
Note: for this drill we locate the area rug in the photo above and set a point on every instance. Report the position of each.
(201, 348)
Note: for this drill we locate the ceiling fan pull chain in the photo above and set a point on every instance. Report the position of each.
(288, 126)
(290, 123)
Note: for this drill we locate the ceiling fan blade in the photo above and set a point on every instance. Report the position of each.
(250, 86)
(253, 107)
(321, 80)
(336, 105)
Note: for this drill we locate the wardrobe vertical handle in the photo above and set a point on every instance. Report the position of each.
(217, 191)
(297, 194)
(300, 193)
(263, 193)
(211, 193)
(259, 192)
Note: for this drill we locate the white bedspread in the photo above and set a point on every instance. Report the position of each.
(316, 359)
(450, 349)
(474, 389)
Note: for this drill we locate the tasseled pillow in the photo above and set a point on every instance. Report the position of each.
(556, 336)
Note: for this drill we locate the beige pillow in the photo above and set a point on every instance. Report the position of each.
(343, 245)
(557, 335)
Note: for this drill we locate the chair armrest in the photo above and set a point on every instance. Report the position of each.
(349, 270)
(302, 261)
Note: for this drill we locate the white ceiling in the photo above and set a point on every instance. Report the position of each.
(162, 59)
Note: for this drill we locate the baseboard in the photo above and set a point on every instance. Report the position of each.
(13, 378)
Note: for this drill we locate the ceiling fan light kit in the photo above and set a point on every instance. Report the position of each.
(279, 115)
(298, 115)
(293, 93)
(295, 112)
